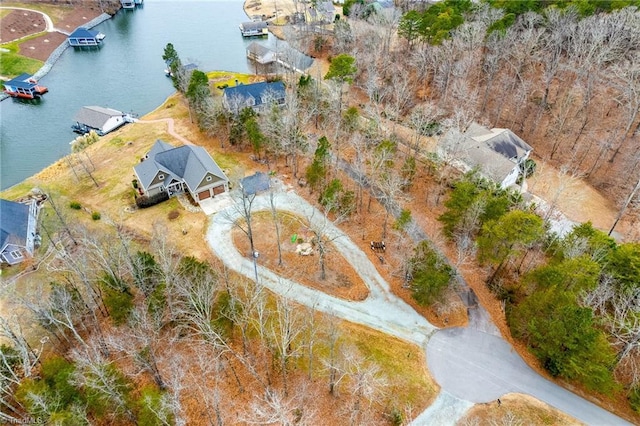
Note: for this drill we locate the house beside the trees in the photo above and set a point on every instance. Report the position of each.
(17, 231)
(177, 170)
(497, 154)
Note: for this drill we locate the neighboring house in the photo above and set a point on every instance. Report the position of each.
(497, 154)
(255, 95)
(323, 13)
(254, 29)
(17, 231)
(260, 54)
(102, 120)
(83, 37)
(255, 183)
(178, 170)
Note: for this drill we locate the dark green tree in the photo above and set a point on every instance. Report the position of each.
(174, 64)
(564, 336)
(402, 220)
(431, 274)
(571, 275)
(198, 88)
(585, 239)
(623, 263)
(409, 26)
(317, 171)
(508, 237)
(342, 70)
(255, 136)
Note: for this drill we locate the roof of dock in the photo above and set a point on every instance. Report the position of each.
(21, 81)
(82, 32)
(96, 116)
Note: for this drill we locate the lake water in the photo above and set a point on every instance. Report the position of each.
(126, 74)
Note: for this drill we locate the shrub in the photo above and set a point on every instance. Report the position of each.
(119, 304)
(95, 215)
(528, 167)
(634, 398)
(75, 205)
(173, 214)
(145, 201)
(153, 408)
(396, 417)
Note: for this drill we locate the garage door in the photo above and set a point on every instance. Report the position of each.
(204, 195)
(218, 190)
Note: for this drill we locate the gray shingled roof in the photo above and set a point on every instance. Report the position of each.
(258, 49)
(245, 26)
(255, 183)
(255, 91)
(188, 163)
(96, 116)
(14, 223)
(293, 57)
(493, 152)
(502, 141)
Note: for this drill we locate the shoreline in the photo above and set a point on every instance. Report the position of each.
(53, 58)
(55, 55)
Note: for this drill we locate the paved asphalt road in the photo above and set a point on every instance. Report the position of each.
(470, 364)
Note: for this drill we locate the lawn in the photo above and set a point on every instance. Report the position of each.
(13, 64)
(221, 79)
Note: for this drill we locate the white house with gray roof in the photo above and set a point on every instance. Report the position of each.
(497, 154)
(17, 231)
(102, 120)
(177, 170)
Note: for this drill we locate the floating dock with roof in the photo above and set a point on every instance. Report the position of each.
(83, 37)
(24, 86)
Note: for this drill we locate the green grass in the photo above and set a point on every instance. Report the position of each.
(13, 64)
(220, 78)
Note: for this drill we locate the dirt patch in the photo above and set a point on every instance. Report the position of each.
(341, 280)
(20, 23)
(42, 46)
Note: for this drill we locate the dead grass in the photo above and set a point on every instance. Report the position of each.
(517, 409)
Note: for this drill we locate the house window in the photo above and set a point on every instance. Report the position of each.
(162, 189)
(209, 178)
(161, 176)
(16, 254)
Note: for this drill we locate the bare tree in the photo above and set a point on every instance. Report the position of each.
(143, 343)
(284, 332)
(103, 379)
(274, 407)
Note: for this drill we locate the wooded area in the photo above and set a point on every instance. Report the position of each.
(147, 335)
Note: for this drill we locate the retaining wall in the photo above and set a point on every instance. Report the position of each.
(55, 55)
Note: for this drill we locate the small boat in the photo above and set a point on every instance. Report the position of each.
(128, 4)
(81, 129)
(24, 86)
